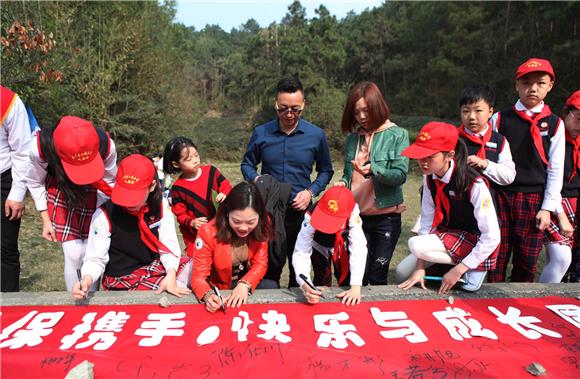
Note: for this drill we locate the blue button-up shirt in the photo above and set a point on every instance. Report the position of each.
(289, 157)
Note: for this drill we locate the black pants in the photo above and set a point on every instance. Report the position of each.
(292, 223)
(382, 233)
(10, 254)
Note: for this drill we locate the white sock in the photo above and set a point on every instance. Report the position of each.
(558, 258)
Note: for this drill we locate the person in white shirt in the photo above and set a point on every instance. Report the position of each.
(321, 241)
(15, 140)
(459, 225)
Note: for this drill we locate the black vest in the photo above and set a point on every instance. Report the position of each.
(492, 148)
(460, 208)
(531, 171)
(127, 251)
(570, 188)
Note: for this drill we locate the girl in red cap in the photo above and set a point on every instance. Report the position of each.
(192, 193)
(458, 221)
(559, 236)
(231, 251)
(73, 167)
(132, 241)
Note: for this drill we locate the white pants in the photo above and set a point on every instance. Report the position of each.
(184, 277)
(74, 252)
(427, 247)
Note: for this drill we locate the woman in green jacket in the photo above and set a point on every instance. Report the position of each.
(375, 171)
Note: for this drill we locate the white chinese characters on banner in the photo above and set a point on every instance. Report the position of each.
(276, 325)
(460, 326)
(40, 325)
(568, 312)
(240, 325)
(400, 326)
(514, 319)
(332, 332)
(103, 336)
(160, 325)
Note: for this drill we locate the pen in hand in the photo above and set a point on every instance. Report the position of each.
(218, 294)
(303, 277)
(81, 282)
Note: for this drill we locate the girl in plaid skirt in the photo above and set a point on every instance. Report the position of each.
(132, 240)
(458, 221)
(73, 166)
(559, 236)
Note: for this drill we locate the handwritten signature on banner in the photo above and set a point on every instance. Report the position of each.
(267, 339)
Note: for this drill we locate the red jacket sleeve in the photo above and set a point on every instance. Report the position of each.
(259, 264)
(202, 260)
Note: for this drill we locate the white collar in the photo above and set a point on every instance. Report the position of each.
(537, 109)
(447, 176)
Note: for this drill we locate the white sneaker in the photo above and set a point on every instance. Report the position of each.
(473, 280)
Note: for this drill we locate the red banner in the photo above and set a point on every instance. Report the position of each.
(479, 338)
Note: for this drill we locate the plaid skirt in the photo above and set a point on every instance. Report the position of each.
(459, 244)
(144, 278)
(552, 232)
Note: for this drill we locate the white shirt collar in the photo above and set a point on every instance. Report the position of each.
(537, 109)
(447, 176)
(481, 132)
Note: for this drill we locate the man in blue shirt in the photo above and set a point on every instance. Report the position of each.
(288, 147)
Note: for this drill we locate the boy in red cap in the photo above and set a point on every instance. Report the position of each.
(132, 240)
(335, 214)
(458, 221)
(73, 167)
(559, 236)
(536, 138)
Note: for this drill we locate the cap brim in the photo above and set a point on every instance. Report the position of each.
(326, 223)
(128, 197)
(518, 76)
(87, 173)
(418, 152)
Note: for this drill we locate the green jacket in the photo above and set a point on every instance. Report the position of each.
(388, 166)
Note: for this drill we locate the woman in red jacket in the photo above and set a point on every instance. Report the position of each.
(231, 251)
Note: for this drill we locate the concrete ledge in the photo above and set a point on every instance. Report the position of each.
(370, 293)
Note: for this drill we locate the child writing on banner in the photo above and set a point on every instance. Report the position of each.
(489, 152)
(191, 194)
(73, 166)
(559, 236)
(231, 251)
(334, 215)
(458, 221)
(132, 241)
(537, 141)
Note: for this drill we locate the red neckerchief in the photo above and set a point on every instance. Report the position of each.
(147, 235)
(575, 142)
(103, 186)
(441, 201)
(482, 141)
(340, 256)
(535, 131)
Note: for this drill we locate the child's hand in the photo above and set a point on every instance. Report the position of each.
(351, 296)
(566, 228)
(340, 183)
(543, 219)
(220, 197)
(476, 162)
(80, 289)
(312, 296)
(198, 222)
(417, 277)
(452, 277)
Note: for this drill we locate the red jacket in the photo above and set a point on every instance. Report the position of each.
(212, 261)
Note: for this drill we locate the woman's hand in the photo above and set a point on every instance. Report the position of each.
(80, 290)
(169, 284)
(48, 232)
(238, 296)
(417, 277)
(351, 296)
(212, 303)
(198, 222)
(364, 170)
(452, 277)
(312, 296)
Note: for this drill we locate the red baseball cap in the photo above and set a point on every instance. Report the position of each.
(432, 138)
(574, 100)
(134, 177)
(77, 145)
(535, 65)
(333, 210)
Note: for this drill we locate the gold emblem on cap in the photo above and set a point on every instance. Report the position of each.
(130, 179)
(533, 63)
(424, 136)
(333, 205)
(83, 156)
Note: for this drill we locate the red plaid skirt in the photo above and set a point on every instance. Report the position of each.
(144, 278)
(459, 244)
(552, 232)
(69, 224)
